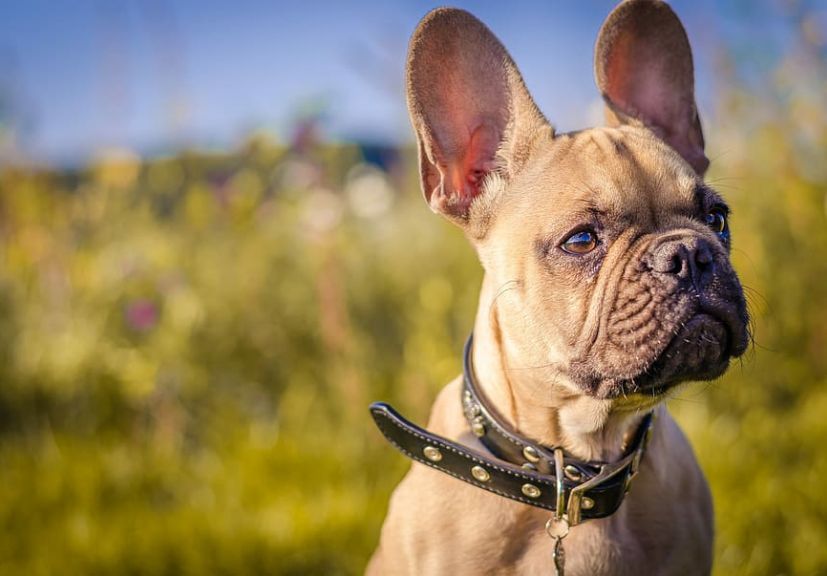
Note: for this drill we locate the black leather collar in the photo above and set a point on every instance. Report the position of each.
(522, 470)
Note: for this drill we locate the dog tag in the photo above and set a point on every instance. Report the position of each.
(559, 556)
(558, 528)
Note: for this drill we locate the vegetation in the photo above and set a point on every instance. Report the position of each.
(188, 347)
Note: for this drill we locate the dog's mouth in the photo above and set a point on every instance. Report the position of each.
(700, 349)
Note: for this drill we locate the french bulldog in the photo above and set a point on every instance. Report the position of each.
(607, 284)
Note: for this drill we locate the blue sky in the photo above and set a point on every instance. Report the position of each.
(151, 75)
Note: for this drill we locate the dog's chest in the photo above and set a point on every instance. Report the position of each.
(469, 535)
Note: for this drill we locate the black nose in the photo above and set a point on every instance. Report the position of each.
(688, 258)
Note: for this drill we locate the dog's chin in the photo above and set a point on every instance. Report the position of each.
(700, 350)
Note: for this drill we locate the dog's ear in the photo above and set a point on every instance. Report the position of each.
(643, 67)
(469, 108)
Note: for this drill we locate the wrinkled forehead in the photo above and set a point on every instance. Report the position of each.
(623, 172)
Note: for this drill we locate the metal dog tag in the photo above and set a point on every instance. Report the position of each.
(559, 556)
(558, 528)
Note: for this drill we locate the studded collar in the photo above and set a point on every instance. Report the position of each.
(521, 469)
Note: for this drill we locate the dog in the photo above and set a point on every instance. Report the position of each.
(607, 284)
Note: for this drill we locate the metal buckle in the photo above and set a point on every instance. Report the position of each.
(561, 487)
(607, 471)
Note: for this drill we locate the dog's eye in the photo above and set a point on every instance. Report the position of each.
(716, 219)
(581, 242)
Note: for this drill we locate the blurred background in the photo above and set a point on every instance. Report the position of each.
(214, 254)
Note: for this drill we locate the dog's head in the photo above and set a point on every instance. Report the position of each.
(608, 252)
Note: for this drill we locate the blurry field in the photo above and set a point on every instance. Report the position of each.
(188, 351)
(188, 347)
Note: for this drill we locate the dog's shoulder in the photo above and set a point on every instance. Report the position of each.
(671, 488)
(431, 515)
(446, 416)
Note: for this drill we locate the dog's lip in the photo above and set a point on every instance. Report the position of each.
(734, 340)
(646, 382)
(728, 316)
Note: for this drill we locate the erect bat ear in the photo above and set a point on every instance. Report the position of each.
(643, 67)
(469, 108)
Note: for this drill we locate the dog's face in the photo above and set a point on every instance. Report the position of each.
(613, 259)
(609, 253)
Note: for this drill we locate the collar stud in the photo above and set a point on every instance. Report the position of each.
(432, 453)
(481, 474)
(478, 428)
(531, 490)
(572, 473)
(531, 454)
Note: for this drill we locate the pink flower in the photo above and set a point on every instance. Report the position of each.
(141, 315)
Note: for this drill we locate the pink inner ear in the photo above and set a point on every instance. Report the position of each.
(645, 84)
(469, 171)
(635, 82)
